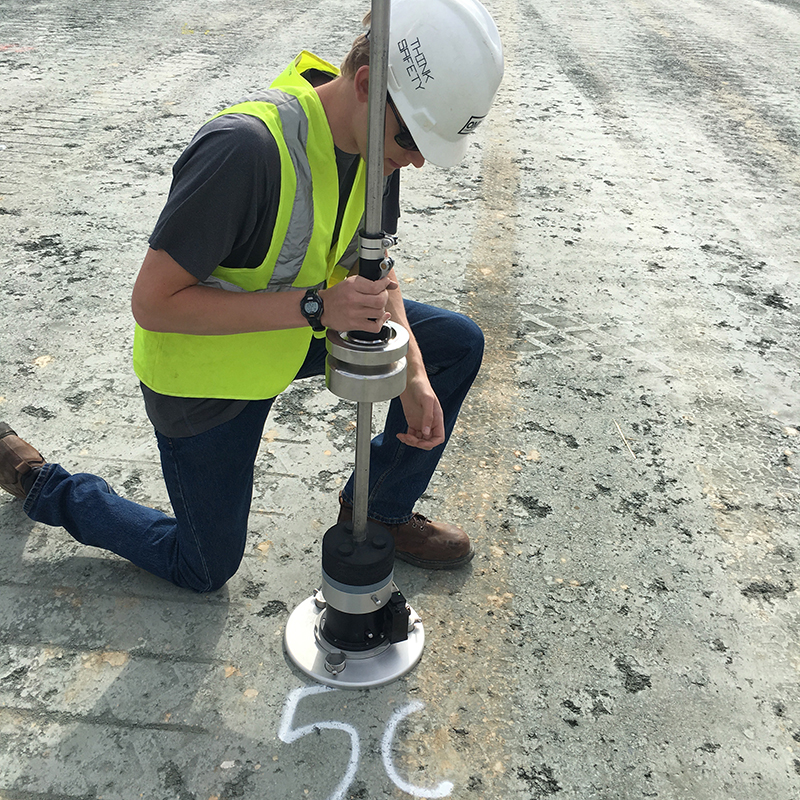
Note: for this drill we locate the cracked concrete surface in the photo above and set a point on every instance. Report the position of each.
(625, 230)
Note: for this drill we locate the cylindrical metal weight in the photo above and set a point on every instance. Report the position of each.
(369, 385)
(367, 372)
(392, 346)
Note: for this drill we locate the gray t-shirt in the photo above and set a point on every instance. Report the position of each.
(221, 210)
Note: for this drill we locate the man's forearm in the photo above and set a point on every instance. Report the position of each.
(167, 299)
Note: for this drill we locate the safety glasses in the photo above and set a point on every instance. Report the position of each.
(404, 138)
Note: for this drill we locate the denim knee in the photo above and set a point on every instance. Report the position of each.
(465, 343)
(214, 576)
(473, 338)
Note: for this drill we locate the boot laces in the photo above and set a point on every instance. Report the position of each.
(419, 521)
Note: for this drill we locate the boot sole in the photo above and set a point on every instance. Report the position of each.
(425, 563)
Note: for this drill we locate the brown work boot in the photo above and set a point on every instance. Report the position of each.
(17, 459)
(422, 542)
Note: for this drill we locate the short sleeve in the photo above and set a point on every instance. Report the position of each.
(223, 201)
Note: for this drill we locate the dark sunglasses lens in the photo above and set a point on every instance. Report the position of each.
(404, 138)
(405, 141)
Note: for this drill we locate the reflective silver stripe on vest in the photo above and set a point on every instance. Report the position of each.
(301, 220)
(217, 283)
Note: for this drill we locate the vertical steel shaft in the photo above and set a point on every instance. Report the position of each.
(378, 73)
(373, 225)
(361, 475)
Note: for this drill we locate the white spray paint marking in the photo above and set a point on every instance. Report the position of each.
(442, 790)
(288, 734)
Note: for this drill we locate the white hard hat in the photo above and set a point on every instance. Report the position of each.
(445, 65)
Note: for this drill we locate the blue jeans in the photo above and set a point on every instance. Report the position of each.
(209, 477)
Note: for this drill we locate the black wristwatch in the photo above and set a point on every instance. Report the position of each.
(311, 308)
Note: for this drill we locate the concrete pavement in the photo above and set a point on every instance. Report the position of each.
(625, 231)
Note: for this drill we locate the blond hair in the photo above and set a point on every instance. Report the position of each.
(359, 52)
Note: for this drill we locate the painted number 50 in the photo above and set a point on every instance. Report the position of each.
(289, 734)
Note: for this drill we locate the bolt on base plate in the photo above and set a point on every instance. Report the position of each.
(345, 669)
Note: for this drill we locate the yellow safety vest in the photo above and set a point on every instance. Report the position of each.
(258, 365)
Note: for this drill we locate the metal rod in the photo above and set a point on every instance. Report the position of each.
(361, 472)
(378, 74)
(373, 226)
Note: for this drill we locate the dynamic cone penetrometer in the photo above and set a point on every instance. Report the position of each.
(358, 631)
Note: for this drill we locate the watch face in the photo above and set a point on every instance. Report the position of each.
(311, 305)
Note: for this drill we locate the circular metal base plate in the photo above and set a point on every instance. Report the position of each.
(362, 670)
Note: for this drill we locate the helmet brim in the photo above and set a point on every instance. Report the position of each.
(436, 149)
(439, 151)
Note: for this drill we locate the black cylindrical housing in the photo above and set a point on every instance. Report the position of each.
(355, 632)
(367, 563)
(357, 563)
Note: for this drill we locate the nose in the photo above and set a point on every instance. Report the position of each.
(417, 159)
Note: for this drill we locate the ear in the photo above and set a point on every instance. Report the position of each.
(361, 83)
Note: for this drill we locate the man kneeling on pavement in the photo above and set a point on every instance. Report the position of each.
(249, 262)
